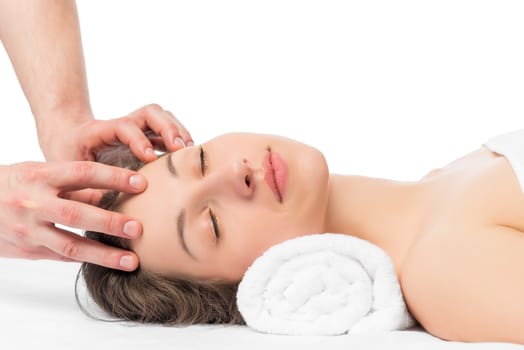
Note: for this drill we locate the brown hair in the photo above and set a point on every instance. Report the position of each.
(147, 297)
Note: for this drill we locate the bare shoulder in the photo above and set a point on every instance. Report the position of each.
(463, 278)
(466, 283)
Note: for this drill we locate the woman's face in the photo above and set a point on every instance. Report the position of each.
(209, 211)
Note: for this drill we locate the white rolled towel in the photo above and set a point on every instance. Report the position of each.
(323, 284)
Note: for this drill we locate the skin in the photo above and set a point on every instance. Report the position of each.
(314, 203)
(236, 204)
(41, 38)
(455, 235)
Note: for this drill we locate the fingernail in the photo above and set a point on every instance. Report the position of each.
(149, 152)
(190, 143)
(137, 181)
(179, 142)
(127, 262)
(131, 229)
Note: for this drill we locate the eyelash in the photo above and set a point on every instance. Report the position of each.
(215, 224)
(203, 161)
(203, 167)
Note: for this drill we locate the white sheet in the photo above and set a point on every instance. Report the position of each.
(38, 310)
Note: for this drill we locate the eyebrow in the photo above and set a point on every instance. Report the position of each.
(181, 218)
(170, 165)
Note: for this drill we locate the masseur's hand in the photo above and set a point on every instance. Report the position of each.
(35, 196)
(81, 137)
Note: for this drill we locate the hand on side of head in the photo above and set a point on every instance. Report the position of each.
(148, 128)
(37, 196)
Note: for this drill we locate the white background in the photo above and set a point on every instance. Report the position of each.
(384, 88)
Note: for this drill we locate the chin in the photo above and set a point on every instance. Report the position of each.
(314, 190)
(317, 169)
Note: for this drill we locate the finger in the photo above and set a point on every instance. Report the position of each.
(74, 247)
(70, 176)
(88, 196)
(163, 123)
(88, 217)
(181, 136)
(182, 131)
(140, 144)
(39, 253)
(23, 251)
(159, 145)
(132, 133)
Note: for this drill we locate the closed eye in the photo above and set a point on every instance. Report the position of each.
(203, 161)
(215, 224)
(203, 168)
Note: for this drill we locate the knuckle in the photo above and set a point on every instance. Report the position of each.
(112, 223)
(116, 177)
(20, 204)
(69, 215)
(30, 172)
(82, 170)
(94, 197)
(20, 232)
(125, 122)
(153, 108)
(69, 249)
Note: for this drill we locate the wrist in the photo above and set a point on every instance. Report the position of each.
(52, 120)
(55, 127)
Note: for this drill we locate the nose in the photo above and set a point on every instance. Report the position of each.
(234, 178)
(242, 178)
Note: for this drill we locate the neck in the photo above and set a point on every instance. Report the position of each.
(386, 213)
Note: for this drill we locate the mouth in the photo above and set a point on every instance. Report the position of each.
(275, 174)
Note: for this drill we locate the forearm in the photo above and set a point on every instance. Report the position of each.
(42, 39)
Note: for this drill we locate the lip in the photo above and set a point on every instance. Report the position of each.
(275, 174)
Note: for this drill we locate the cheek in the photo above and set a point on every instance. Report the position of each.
(249, 237)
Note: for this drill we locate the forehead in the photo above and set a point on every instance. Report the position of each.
(156, 209)
(148, 204)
